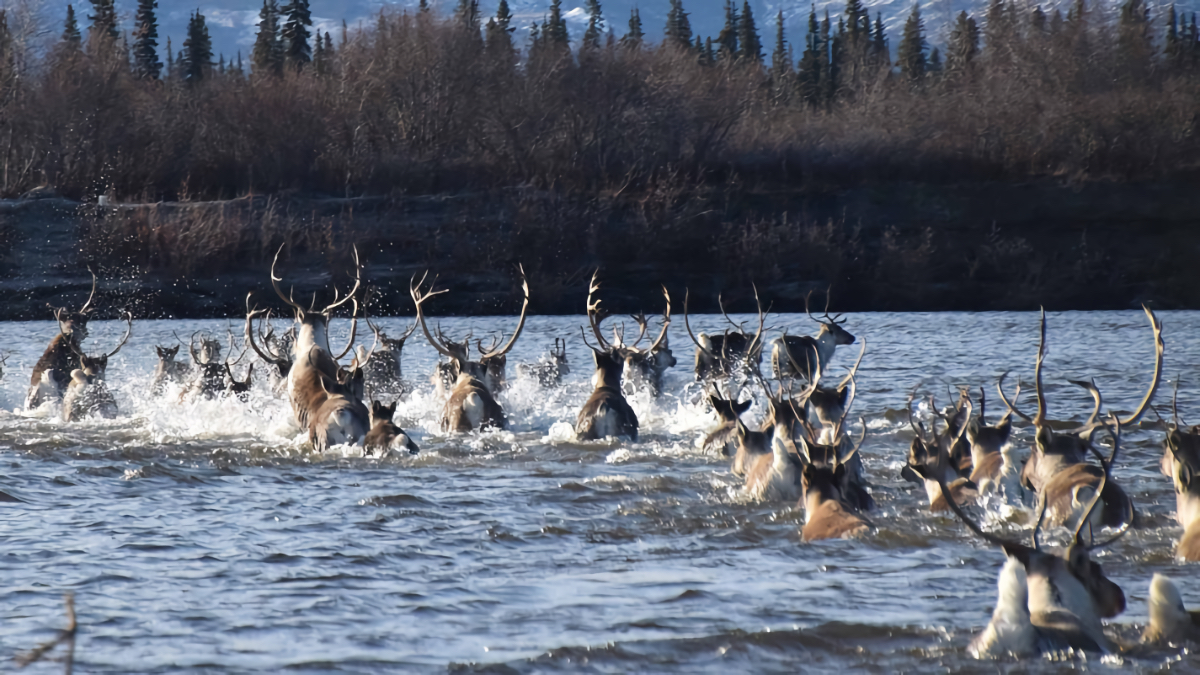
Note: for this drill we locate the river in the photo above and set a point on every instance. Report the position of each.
(204, 537)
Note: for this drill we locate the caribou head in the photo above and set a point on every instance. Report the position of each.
(550, 370)
(314, 324)
(649, 366)
(384, 373)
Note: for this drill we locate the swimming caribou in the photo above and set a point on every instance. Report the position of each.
(805, 356)
(1050, 601)
(87, 395)
(1181, 463)
(732, 354)
(52, 372)
(606, 413)
(473, 384)
(1057, 468)
(325, 402)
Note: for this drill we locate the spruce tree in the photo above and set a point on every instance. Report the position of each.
(554, 33)
(499, 43)
(267, 55)
(197, 50)
(1135, 47)
(296, 50)
(170, 67)
(679, 29)
(964, 44)
(467, 14)
(827, 70)
(911, 53)
(635, 35)
(879, 46)
(104, 22)
(727, 39)
(595, 26)
(750, 47)
(71, 37)
(935, 62)
(810, 63)
(145, 44)
(1171, 41)
(781, 62)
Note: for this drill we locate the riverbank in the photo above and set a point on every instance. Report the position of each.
(882, 247)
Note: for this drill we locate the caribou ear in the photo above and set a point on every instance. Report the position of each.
(1183, 473)
(1021, 552)
(742, 406)
(1005, 429)
(843, 394)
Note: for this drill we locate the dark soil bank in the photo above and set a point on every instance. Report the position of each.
(895, 246)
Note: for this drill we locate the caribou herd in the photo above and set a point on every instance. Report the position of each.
(803, 451)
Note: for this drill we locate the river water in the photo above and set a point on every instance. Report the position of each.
(204, 537)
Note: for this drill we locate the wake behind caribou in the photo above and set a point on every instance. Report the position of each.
(806, 453)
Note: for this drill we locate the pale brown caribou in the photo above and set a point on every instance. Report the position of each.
(606, 413)
(1057, 468)
(806, 356)
(325, 401)
(1050, 601)
(383, 371)
(471, 403)
(1181, 463)
(52, 372)
(88, 395)
(829, 509)
(929, 460)
(732, 353)
(167, 369)
(772, 463)
(549, 370)
(646, 368)
(385, 436)
(1170, 622)
(993, 468)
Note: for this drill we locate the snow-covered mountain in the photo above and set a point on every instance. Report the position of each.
(233, 23)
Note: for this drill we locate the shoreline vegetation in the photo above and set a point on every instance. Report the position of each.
(1027, 158)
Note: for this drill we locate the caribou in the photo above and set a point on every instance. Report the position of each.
(1057, 468)
(805, 356)
(549, 370)
(167, 369)
(3, 362)
(471, 404)
(1170, 621)
(930, 463)
(385, 436)
(327, 406)
(724, 438)
(829, 512)
(993, 468)
(1181, 463)
(87, 395)
(1050, 601)
(730, 354)
(213, 375)
(646, 368)
(829, 404)
(384, 375)
(52, 372)
(772, 463)
(606, 413)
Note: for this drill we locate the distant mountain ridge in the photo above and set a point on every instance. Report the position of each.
(233, 23)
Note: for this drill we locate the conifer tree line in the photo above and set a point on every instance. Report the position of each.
(422, 101)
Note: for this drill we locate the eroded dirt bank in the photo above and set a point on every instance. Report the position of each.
(896, 246)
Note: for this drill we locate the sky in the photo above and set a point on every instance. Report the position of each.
(233, 23)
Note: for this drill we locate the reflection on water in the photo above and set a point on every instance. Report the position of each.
(203, 536)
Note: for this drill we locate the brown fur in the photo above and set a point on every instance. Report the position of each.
(962, 491)
(606, 412)
(988, 467)
(833, 520)
(1059, 494)
(384, 431)
(56, 362)
(454, 417)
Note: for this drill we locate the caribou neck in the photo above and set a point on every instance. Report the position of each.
(1055, 594)
(816, 495)
(1187, 509)
(826, 344)
(314, 332)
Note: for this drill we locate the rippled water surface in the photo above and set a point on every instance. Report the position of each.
(205, 537)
